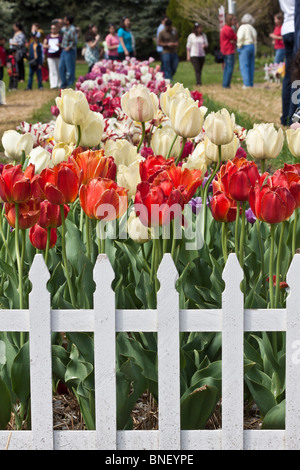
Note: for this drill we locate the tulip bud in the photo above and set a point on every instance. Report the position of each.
(64, 132)
(38, 237)
(162, 139)
(186, 117)
(264, 141)
(73, 106)
(293, 141)
(14, 144)
(136, 230)
(140, 104)
(128, 177)
(219, 127)
(40, 158)
(91, 130)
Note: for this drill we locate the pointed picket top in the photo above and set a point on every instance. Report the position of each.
(292, 277)
(39, 270)
(167, 273)
(103, 271)
(232, 273)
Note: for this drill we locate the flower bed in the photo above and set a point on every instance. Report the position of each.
(153, 173)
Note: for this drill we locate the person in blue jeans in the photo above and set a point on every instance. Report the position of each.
(35, 60)
(169, 41)
(227, 47)
(67, 59)
(246, 46)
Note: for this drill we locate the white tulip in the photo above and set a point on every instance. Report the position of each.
(91, 130)
(128, 177)
(176, 90)
(40, 158)
(228, 151)
(219, 127)
(64, 132)
(162, 139)
(61, 152)
(124, 152)
(293, 141)
(139, 103)
(186, 117)
(136, 230)
(264, 141)
(197, 160)
(73, 106)
(14, 144)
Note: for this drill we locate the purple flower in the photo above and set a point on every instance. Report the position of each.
(250, 216)
(196, 204)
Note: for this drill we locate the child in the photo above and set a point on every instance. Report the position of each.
(12, 69)
(2, 56)
(35, 60)
(277, 39)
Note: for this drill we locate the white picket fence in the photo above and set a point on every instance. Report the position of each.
(167, 320)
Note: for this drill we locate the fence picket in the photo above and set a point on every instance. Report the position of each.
(168, 356)
(105, 356)
(292, 419)
(40, 356)
(232, 356)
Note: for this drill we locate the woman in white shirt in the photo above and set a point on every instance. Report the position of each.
(196, 49)
(246, 46)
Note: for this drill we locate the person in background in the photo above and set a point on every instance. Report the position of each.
(2, 56)
(92, 48)
(12, 69)
(277, 39)
(35, 60)
(67, 61)
(288, 37)
(227, 46)
(169, 40)
(19, 42)
(112, 42)
(246, 46)
(196, 47)
(52, 47)
(159, 49)
(126, 46)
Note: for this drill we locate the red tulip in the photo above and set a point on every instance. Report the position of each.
(38, 237)
(15, 187)
(238, 176)
(223, 208)
(152, 166)
(94, 165)
(99, 196)
(271, 204)
(289, 177)
(50, 215)
(157, 205)
(29, 213)
(62, 183)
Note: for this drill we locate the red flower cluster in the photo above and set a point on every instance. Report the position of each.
(164, 190)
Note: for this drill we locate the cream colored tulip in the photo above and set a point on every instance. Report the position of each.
(140, 104)
(136, 230)
(219, 127)
(293, 141)
(61, 152)
(64, 132)
(228, 151)
(128, 177)
(197, 160)
(264, 141)
(162, 139)
(124, 152)
(14, 144)
(186, 117)
(73, 106)
(91, 130)
(40, 158)
(171, 92)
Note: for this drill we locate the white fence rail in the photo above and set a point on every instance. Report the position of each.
(167, 320)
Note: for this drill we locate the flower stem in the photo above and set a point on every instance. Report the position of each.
(79, 136)
(263, 165)
(296, 213)
(171, 148)
(19, 259)
(88, 236)
(257, 224)
(205, 192)
(279, 253)
(271, 266)
(184, 139)
(241, 254)
(224, 241)
(142, 137)
(47, 244)
(64, 255)
(236, 232)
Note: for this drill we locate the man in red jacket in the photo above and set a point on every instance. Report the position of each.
(227, 45)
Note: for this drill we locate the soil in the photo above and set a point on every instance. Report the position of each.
(262, 102)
